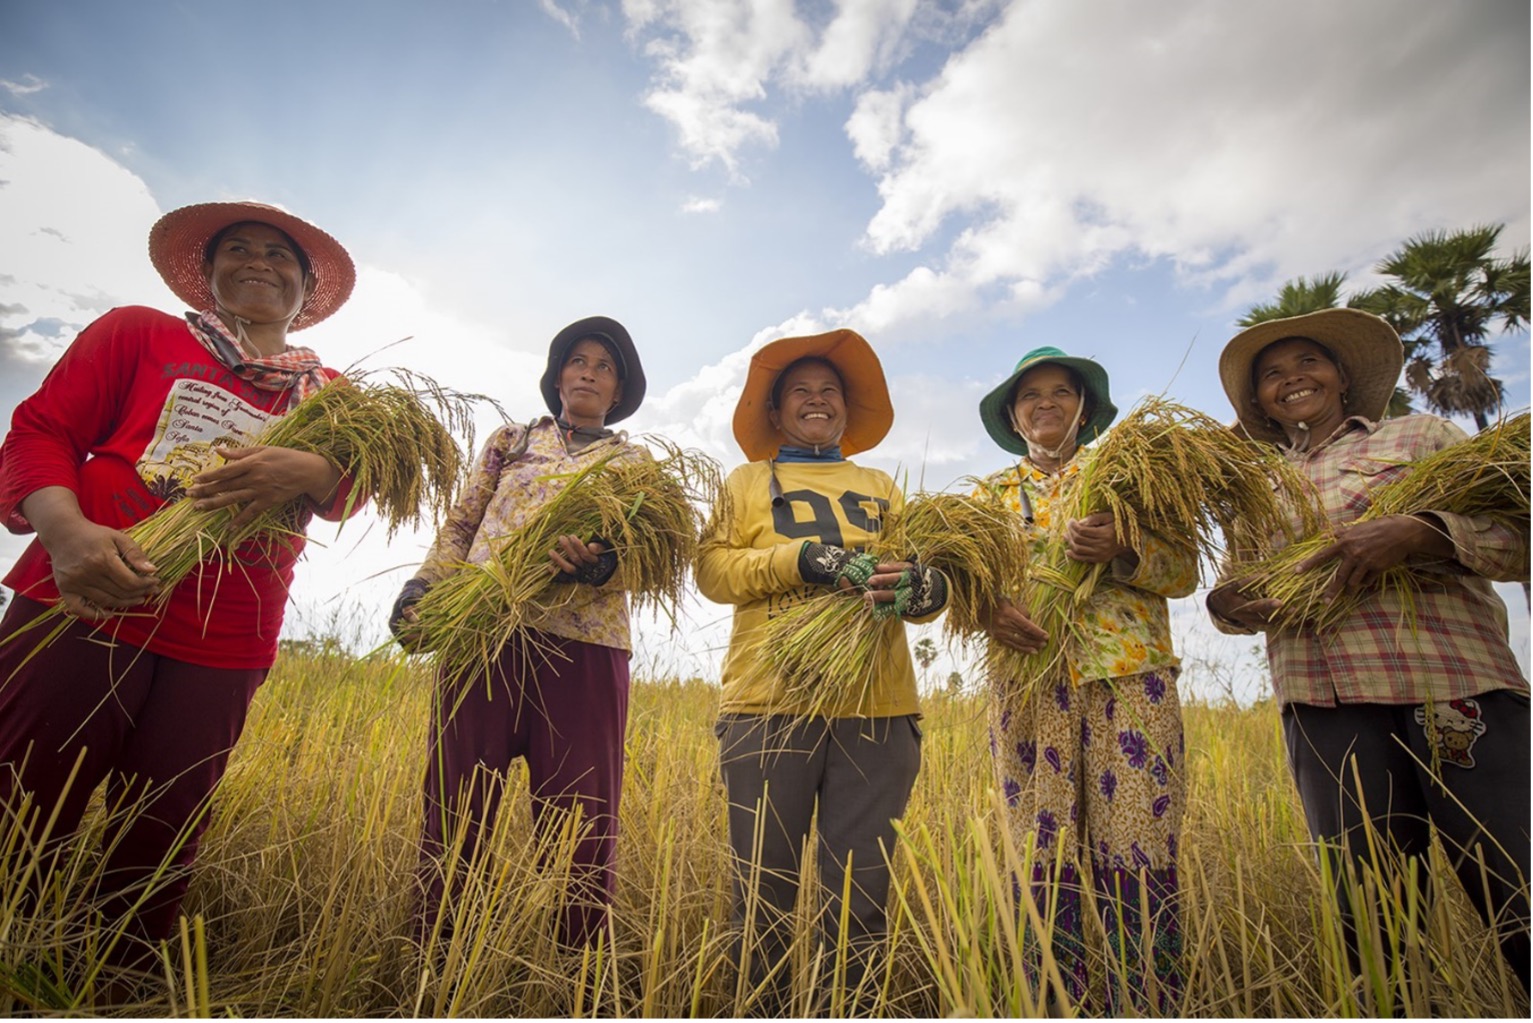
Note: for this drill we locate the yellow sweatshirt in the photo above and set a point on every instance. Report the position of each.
(749, 558)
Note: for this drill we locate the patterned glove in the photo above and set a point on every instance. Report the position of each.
(403, 630)
(594, 574)
(922, 590)
(822, 564)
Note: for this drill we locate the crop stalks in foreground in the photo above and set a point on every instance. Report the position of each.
(305, 885)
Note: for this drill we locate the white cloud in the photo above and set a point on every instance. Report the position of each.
(1072, 134)
(715, 58)
(701, 204)
(29, 84)
(566, 18)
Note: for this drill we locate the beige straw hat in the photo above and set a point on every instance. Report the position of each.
(1365, 346)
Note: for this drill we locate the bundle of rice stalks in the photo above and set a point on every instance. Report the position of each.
(825, 649)
(393, 440)
(648, 509)
(1485, 475)
(1164, 469)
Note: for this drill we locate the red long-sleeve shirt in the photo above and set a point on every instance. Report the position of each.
(124, 420)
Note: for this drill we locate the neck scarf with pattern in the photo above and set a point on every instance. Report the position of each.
(298, 369)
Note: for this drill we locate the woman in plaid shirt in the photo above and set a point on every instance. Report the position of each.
(1435, 720)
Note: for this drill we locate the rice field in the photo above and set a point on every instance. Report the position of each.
(302, 896)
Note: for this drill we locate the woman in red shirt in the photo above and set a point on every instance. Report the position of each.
(144, 409)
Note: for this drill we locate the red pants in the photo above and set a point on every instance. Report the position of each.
(565, 712)
(156, 730)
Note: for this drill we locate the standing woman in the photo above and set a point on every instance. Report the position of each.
(1435, 721)
(557, 697)
(791, 526)
(1090, 762)
(151, 700)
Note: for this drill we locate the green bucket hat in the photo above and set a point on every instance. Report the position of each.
(992, 407)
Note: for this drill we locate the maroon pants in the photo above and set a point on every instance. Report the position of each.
(563, 706)
(156, 730)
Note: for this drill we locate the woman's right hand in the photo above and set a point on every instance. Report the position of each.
(1010, 627)
(1235, 604)
(98, 570)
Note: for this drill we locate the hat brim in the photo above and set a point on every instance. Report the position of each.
(179, 240)
(603, 328)
(869, 413)
(1365, 346)
(992, 407)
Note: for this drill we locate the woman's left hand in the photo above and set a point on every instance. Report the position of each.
(260, 478)
(1363, 550)
(1093, 540)
(881, 584)
(572, 554)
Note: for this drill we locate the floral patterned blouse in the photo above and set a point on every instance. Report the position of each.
(1126, 623)
(508, 484)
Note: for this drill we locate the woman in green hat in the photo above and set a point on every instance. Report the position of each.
(1090, 760)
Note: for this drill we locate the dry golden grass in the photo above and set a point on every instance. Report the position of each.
(303, 889)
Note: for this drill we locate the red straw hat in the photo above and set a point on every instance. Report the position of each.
(868, 411)
(179, 240)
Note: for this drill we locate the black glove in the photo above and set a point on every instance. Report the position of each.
(922, 590)
(595, 574)
(409, 595)
(822, 564)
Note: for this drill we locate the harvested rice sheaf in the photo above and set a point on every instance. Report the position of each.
(826, 648)
(394, 441)
(1163, 469)
(647, 508)
(1485, 475)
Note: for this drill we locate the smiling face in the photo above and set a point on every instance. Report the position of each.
(1045, 405)
(255, 274)
(810, 408)
(589, 385)
(1297, 381)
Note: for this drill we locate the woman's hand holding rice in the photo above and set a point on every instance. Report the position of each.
(98, 570)
(261, 478)
(1365, 549)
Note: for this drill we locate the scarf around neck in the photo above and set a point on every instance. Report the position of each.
(298, 369)
(788, 453)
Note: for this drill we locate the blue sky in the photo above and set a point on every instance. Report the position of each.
(959, 181)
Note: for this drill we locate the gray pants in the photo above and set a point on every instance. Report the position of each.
(858, 772)
(1460, 766)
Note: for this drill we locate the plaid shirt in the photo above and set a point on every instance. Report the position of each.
(1459, 647)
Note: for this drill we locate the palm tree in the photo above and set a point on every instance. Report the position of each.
(1310, 295)
(1299, 296)
(1449, 291)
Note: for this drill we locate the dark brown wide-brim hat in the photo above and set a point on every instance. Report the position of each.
(869, 413)
(178, 243)
(1365, 346)
(615, 337)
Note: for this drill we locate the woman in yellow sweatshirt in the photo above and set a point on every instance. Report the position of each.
(793, 523)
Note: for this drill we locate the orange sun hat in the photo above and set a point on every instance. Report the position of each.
(869, 413)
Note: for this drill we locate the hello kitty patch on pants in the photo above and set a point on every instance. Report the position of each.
(1454, 728)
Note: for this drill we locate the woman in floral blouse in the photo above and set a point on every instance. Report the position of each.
(1090, 762)
(558, 697)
